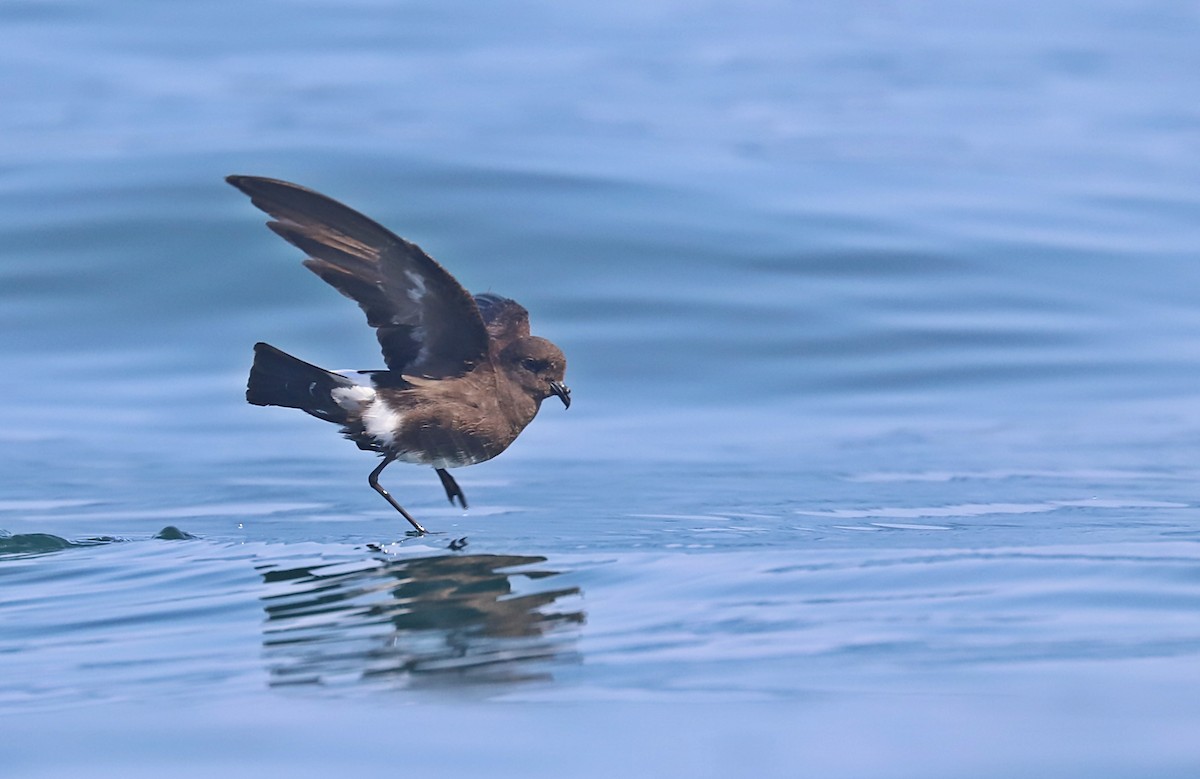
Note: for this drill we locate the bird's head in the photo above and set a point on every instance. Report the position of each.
(538, 366)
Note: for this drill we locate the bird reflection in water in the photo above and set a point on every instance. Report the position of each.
(417, 622)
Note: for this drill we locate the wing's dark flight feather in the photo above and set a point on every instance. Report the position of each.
(428, 325)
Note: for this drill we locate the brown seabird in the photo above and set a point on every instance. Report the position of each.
(464, 376)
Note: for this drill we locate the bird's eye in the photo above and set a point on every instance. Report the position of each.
(534, 365)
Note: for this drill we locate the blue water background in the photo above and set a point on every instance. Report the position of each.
(883, 332)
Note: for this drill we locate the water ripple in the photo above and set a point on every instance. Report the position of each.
(417, 621)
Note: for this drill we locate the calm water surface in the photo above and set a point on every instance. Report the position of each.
(885, 348)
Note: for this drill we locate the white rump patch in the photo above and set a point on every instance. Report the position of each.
(354, 398)
(381, 422)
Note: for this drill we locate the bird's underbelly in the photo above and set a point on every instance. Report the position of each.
(440, 438)
(457, 459)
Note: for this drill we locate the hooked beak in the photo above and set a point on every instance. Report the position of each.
(562, 391)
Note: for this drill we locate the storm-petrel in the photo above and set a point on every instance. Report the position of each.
(464, 376)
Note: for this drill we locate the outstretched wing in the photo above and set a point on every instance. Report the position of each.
(427, 324)
(506, 320)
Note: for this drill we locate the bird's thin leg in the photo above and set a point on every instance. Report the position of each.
(451, 486)
(373, 480)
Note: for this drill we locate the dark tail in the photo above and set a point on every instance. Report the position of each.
(279, 379)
